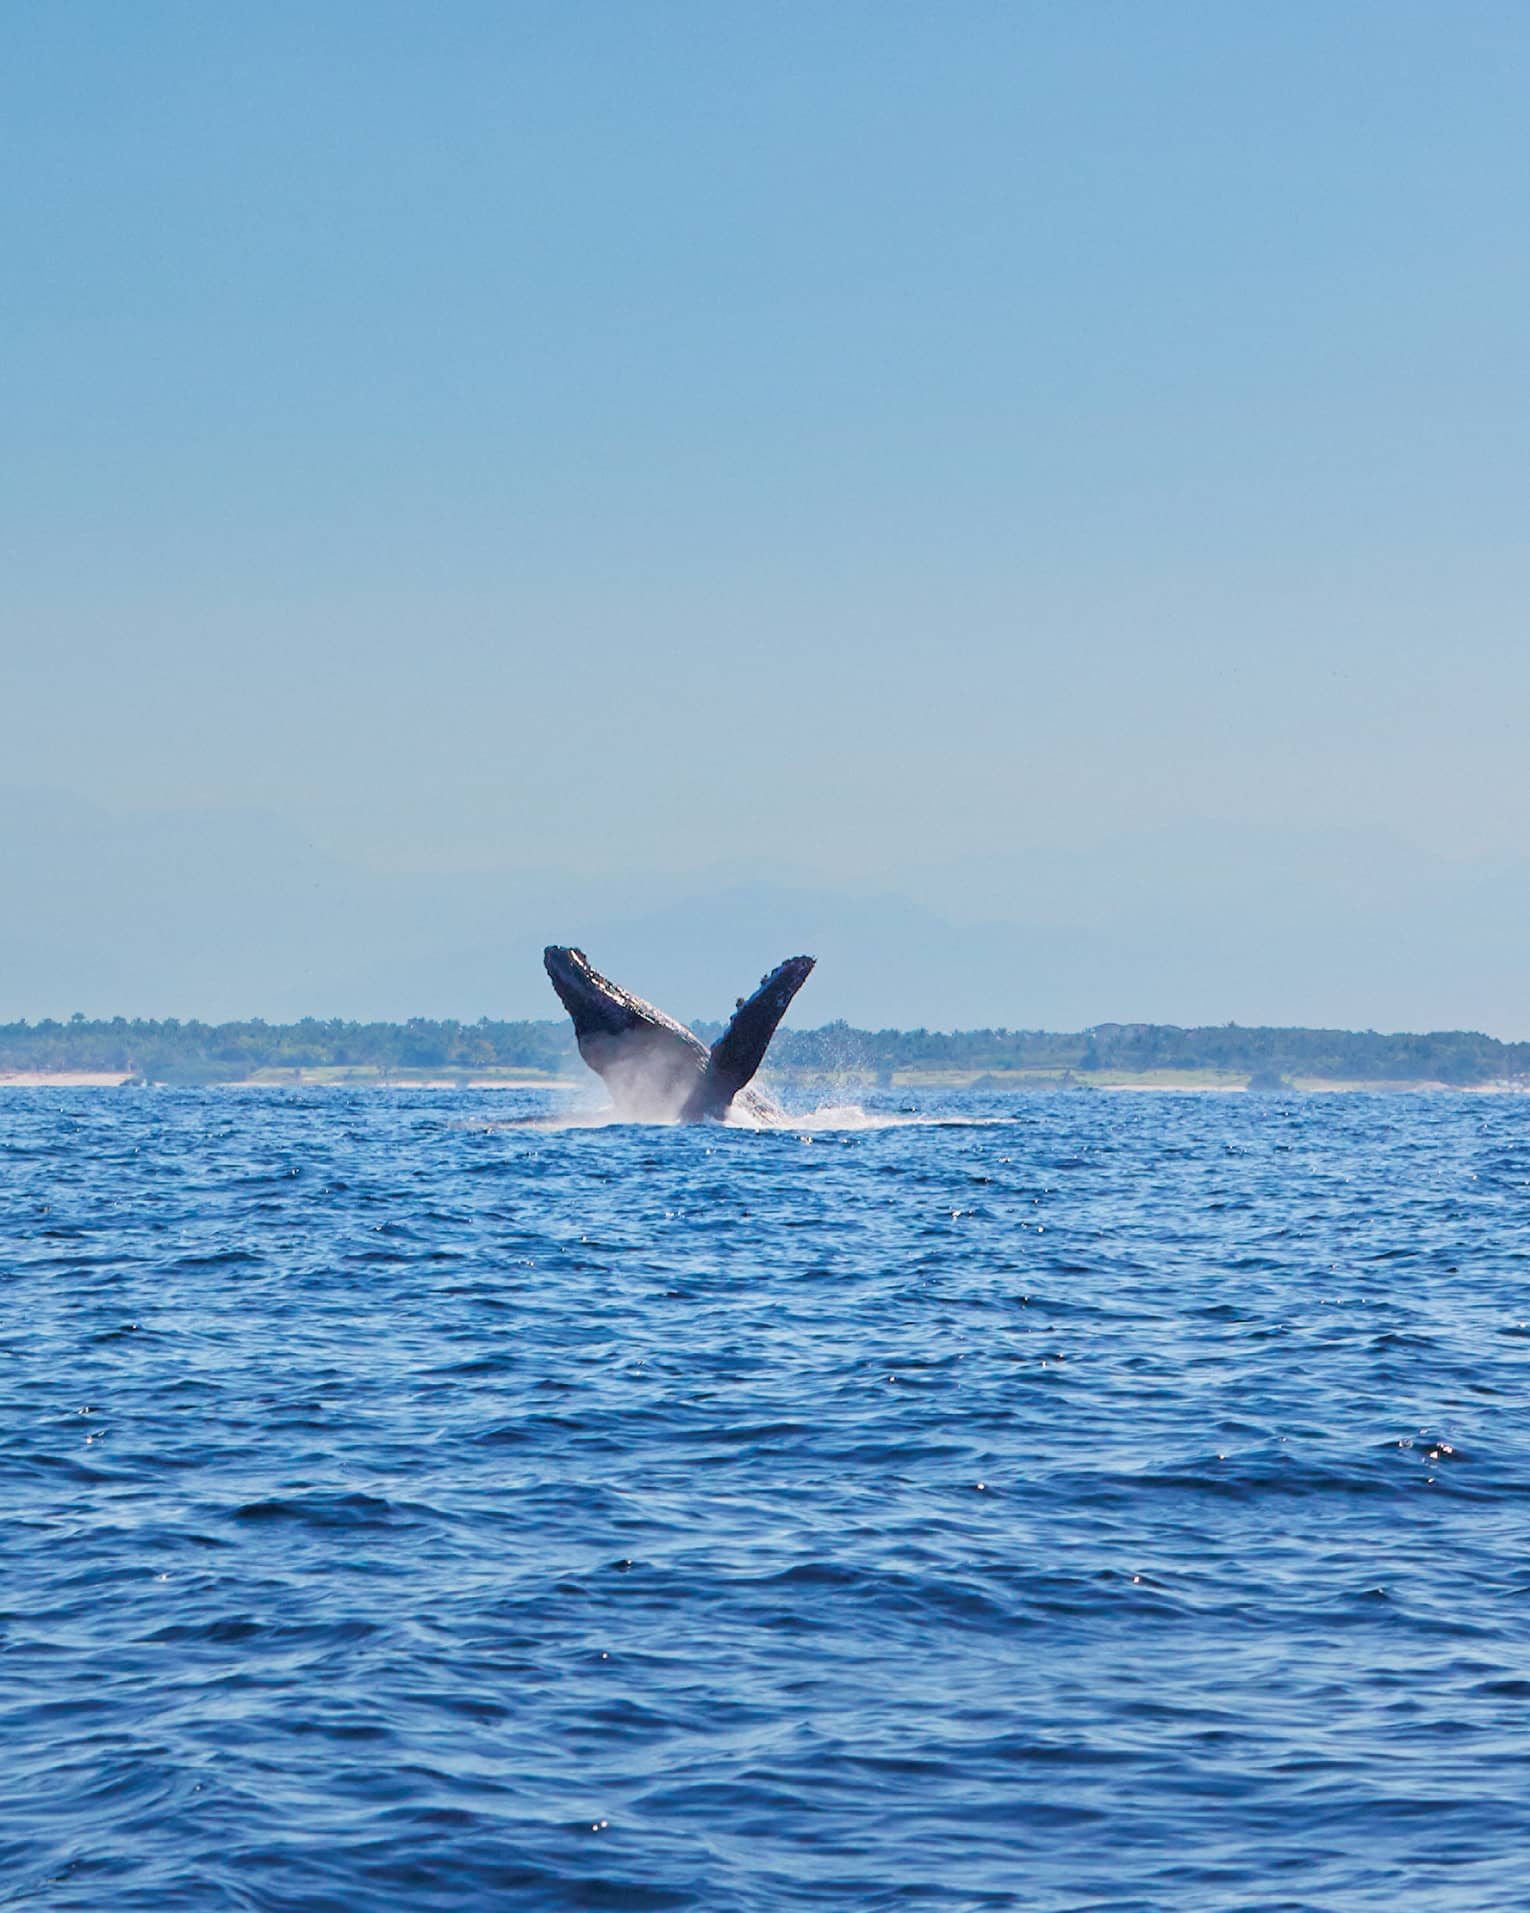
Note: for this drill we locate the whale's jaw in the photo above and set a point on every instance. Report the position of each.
(596, 1004)
(655, 1068)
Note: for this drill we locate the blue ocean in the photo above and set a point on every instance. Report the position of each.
(1089, 1500)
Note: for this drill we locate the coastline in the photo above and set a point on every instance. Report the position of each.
(281, 1079)
(60, 1079)
(1161, 1082)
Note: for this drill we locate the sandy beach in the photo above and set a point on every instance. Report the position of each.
(61, 1079)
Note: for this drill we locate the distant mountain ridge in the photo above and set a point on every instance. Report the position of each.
(225, 914)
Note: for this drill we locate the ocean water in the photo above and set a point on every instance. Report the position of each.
(1082, 1501)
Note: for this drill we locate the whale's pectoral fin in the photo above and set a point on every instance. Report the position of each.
(738, 1052)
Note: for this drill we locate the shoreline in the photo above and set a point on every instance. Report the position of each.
(289, 1079)
(1162, 1082)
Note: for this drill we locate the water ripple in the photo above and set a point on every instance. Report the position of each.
(1068, 1502)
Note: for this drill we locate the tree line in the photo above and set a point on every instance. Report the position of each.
(1446, 1056)
(1461, 1057)
(173, 1051)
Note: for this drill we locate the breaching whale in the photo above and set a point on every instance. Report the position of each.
(655, 1068)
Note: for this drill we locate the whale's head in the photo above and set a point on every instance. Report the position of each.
(597, 1006)
(651, 1065)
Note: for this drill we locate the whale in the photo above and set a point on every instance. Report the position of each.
(655, 1068)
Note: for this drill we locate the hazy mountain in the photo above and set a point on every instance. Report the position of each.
(227, 913)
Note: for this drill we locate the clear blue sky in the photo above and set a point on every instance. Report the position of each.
(869, 443)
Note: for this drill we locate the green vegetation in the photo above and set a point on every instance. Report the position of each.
(1116, 1051)
(176, 1052)
(1110, 1053)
